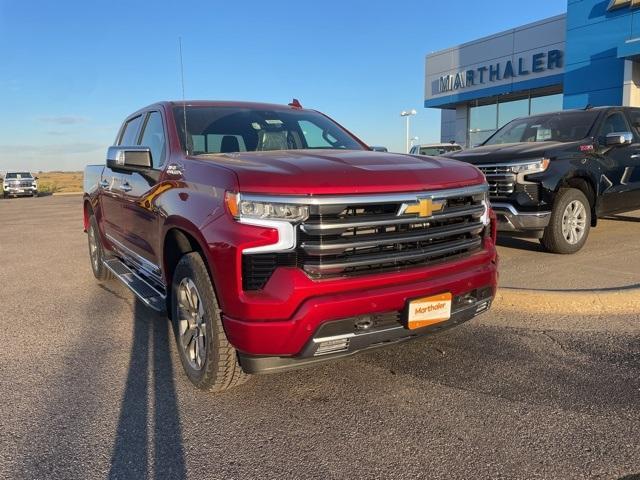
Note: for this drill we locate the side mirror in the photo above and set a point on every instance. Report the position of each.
(618, 138)
(129, 158)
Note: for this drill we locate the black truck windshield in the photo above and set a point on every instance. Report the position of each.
(237, 129)
(554, 127)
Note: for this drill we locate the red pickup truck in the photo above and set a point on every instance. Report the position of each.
(274, 238)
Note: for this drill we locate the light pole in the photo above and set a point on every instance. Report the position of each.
(407, 114)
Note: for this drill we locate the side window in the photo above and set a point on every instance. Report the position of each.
(614, 123)
(634, 115)
(153, 138)
(130, 133)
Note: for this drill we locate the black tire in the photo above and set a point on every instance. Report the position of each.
(557, 240)
(34, 194)
(96, 256)
(219, 370)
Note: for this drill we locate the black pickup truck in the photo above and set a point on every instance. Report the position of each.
(552, 176)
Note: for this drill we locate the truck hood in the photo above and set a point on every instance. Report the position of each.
(343, 171)
(507, 152)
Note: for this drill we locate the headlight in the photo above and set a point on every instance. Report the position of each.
(485, 216)
(272, 214)
(526, 168)
(251, 209)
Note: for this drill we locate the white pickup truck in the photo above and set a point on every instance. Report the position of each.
(17, 184)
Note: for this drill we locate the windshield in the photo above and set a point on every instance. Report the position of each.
(234, 129)
(435, 151)
(18, 175)
(556, 127)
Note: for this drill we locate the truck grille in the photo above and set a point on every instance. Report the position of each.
(20, 184)
(373, 235)
(502, 181)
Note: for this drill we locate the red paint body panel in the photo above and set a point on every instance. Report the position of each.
(280, 318)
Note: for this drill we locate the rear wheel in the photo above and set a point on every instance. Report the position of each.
(96, 252)
(570, 222)
(209, 360)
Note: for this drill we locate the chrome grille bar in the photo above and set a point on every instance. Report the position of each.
(391, 259)
(327, 227)
(332, 247)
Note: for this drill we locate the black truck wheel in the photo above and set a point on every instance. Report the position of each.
(96, 252)
(570, 222)
(209, 360)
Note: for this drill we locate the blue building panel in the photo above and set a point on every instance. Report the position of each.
(594, 70)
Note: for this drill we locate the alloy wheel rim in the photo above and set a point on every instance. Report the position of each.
(93, 248)
(192, 324)
(574, 222)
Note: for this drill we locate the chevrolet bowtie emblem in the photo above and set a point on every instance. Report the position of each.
(623, 3)
(424, 207)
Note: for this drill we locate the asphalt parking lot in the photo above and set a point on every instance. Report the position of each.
(91, 385)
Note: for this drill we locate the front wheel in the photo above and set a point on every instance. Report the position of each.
(570, 222)
(208, 359)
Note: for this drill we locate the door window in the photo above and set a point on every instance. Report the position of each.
(153, 138)
(130, 133)
(614, 123)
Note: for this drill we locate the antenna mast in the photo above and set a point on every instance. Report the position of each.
(184, 103)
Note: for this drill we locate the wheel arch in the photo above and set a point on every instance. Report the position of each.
(586, 185)
(87, 211)
(178, 240)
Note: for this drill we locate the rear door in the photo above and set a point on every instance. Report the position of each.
(618, 165)
(140, 217)
(111, 184)
(631, 175)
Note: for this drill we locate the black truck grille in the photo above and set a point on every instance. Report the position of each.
(502, 182)
(364, 238)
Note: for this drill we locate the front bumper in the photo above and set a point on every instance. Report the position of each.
(510, 219)
(348, 298)
(346, 337)
(18, 192)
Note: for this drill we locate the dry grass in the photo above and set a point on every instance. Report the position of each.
(59, 182)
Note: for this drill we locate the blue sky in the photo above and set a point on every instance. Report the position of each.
(71, 70)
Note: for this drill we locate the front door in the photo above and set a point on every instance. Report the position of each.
(620, 177)
(111, 186)
(140, 218)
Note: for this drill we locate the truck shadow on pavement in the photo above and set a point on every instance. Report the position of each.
(149, 382)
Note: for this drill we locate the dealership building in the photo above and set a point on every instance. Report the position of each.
(588, 56)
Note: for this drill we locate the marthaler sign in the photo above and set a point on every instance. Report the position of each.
(537, 63)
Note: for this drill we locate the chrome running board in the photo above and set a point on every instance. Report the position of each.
(138, 285)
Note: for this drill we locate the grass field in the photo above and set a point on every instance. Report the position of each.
(59, 182)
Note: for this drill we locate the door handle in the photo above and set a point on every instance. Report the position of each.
(104, 184)
(635, 155)
(125, 187)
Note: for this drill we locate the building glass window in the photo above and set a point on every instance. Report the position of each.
(482, 123)
(546, 104)
(484, 120)
(508, 111)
